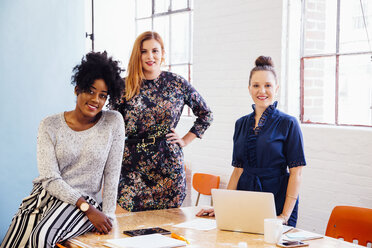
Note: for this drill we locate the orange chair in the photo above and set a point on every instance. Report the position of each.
(203, 183)
(351, 223)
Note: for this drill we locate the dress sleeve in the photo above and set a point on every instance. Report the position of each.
(235, 160)
(200, 109)
(112, 168)
(49, 170)
(294, 145)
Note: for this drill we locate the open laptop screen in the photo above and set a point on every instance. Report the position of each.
(242, 211)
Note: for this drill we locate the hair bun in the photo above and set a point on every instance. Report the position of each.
(264, 61)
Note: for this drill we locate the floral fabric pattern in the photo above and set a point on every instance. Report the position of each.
(152, 175)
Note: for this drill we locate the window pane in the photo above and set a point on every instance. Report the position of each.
(320, 27)
(353, 34)
(182, 70)
(161, 26)
(161, 6)
(355, 97)
(180, 43)
(143, 8)
(143, 25)
(179, 4)
(319, 90)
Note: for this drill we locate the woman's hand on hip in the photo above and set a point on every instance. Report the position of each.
(175, 139)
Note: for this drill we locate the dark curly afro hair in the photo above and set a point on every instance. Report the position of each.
(97, 65)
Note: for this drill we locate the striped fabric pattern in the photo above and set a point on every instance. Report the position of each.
(43, 220)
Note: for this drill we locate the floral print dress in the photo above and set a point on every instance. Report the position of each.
(152, 175)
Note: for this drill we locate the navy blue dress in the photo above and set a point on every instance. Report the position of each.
(266, 151)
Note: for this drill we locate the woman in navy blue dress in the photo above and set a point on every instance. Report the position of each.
(268, 143)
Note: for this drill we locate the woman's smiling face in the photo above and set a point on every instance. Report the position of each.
(89, 103)
(151, 56)
(263, 88)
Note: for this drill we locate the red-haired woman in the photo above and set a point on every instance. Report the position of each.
(152, 174)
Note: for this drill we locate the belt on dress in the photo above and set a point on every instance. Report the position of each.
(150, 140)
(253, 176)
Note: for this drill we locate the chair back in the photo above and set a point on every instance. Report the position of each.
(203, 183)
(351, 223)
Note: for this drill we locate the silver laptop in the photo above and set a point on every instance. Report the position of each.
(242, 211)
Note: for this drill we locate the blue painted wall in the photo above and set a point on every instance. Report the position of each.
(40, 42)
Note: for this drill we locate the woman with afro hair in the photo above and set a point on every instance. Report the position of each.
(78, 152)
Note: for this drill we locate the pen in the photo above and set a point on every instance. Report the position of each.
(175, 236)
(60, 246)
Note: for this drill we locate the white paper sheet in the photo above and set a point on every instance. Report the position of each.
(287, 228)
(201, 224)
(302, 235)
(150, 241)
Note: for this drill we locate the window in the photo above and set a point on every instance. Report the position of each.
(336, 62)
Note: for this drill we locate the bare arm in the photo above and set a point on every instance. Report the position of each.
(234, 178)
(294, 182)
(188, 138)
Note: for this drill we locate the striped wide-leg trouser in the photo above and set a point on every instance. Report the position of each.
(43, 220)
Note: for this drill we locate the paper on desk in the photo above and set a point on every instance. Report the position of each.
(302, 235)
(150, 241)
(201, 224)
(287, 228)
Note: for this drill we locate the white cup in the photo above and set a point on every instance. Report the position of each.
(273, 229)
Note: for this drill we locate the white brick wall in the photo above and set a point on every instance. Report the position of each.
(228, 36)
(339, 172)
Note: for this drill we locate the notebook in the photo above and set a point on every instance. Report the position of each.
(242, 211)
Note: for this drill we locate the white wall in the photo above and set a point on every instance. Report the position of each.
(114, 28)
(228, 36)
(339, 172)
